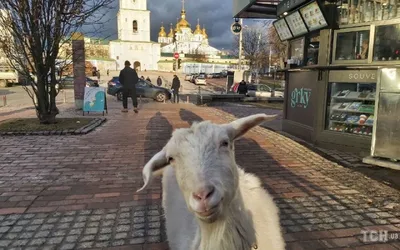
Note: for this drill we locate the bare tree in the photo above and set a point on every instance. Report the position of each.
(255, 47)
(31, 33)
(278, 47)
(198, 56)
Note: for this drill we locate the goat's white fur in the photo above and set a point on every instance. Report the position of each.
(248, 220)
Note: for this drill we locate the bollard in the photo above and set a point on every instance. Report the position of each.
(187, 99)
(4, 100)
(140, 99)
(65, 96)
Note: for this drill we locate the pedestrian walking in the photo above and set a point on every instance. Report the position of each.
(159, 81)
(148, 79)
(128, 79)
(98, 75)
(142, 77)
(242, 88)
(176, 85)
(108, 72)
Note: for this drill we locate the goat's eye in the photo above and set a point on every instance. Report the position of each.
(224, 144)
(170, 160)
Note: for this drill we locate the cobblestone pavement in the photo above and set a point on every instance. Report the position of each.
(347, 159)
(78, 192)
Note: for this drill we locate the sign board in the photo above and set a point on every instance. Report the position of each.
(176, 55)
(94, 99)
(302, 97)
(287, 5)
(282, 29)
(353, 76)
(296, 24)
(236, 28)
(313, 16)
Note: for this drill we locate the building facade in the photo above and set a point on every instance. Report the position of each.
(196, 54)
(133, 43)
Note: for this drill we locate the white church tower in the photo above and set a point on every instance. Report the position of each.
(133, 21)
(134, 44)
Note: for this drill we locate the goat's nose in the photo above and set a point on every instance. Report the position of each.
(204, 193)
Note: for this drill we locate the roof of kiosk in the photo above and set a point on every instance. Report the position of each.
(255, 8)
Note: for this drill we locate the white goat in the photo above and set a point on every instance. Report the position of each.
(209, 202)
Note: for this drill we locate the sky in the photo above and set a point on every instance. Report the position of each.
(215, 15)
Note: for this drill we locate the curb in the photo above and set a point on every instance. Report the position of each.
(80, 131)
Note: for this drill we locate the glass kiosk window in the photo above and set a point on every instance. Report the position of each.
(352, 45)
(350, 108)
(312, 50)
(387, 43)
(297, 51)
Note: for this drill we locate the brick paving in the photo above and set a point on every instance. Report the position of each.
(78, 192)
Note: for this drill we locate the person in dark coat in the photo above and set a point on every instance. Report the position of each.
(98, 74)
(128, 79)
(148, 79)
(176, 85)
(159, 81)
(242, 89)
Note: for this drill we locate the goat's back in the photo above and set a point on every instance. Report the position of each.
(264, 212)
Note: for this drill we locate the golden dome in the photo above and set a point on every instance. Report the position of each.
(177, 27)
(198, 30)
(162, 32)
(205, 33)
(183, 23)
(171, 32)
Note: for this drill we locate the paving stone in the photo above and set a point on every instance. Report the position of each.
(118, 243)
(72, 238)
(67, 246)
(87, 244)
(119, 236)
(87, 238)
(54, 240)
(103, 237)
(37, 241)
(42, 234)
(5, 243)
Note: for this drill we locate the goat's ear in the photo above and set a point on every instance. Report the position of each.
(153, 168)
(238, 128)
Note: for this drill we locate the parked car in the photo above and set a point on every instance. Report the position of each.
(68, 82)
(216, 75)
(200, 80)
(188, 77)
(143, 88)
(194, 76)
(262, 90)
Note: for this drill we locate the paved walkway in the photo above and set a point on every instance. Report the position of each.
(78, 192)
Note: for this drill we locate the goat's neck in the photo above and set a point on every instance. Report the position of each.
(234, 230)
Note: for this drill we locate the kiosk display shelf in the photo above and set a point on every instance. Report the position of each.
(351, 108)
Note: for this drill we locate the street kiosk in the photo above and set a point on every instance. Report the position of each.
(337, 91)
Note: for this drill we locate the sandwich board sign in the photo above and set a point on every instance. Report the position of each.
(94, 100)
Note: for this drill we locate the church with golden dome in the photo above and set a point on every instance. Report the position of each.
(183, 39)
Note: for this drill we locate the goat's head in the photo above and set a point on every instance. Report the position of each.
(204, 162)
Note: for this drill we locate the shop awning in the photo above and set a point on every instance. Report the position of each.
(255, 8)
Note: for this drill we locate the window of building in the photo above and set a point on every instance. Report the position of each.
(135, 26)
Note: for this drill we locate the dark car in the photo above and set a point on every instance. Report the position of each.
(68, 82)
(216, 75)
(143, 88)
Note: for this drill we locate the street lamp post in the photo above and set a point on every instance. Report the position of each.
(240, 44)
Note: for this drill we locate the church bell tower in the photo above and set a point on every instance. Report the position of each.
(133, 21)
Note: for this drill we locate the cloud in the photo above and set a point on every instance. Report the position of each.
(215, 15)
